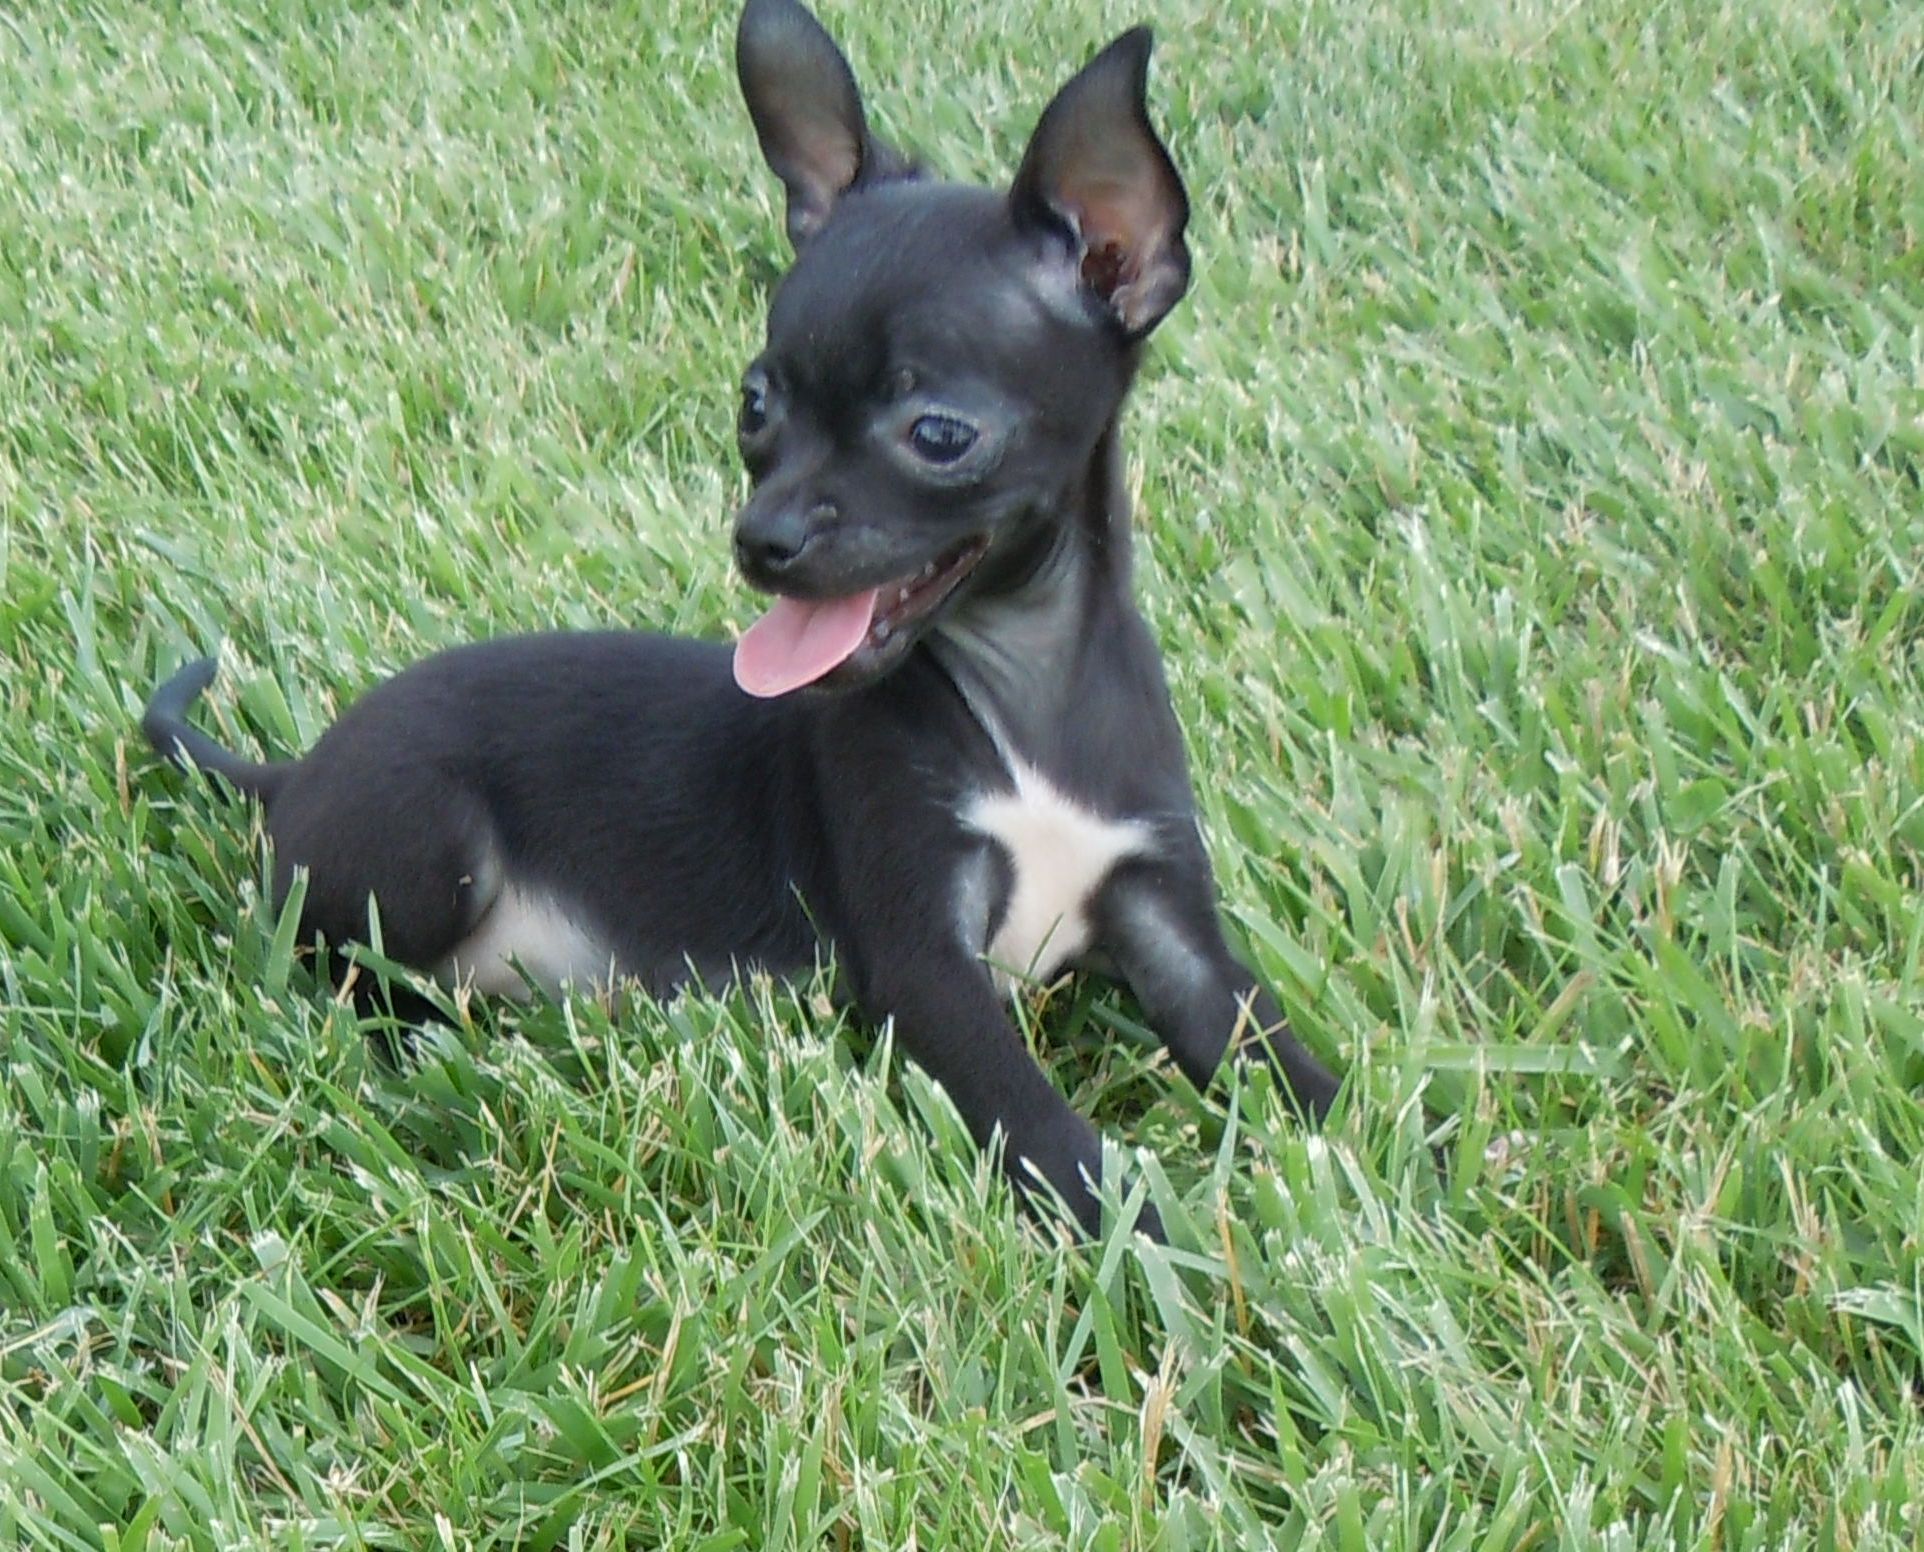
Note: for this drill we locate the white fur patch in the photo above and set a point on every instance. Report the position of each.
(1059, 853)
(534, 932)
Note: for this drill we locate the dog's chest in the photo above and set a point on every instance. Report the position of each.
(1059, 853)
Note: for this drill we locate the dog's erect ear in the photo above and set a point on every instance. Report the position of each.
(1095, 166)
(807, 110)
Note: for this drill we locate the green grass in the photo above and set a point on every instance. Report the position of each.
(1533, 514)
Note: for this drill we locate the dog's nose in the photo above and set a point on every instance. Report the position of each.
(769, 543)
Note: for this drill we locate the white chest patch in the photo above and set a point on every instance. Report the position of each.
(534, 932)
(1059, 853)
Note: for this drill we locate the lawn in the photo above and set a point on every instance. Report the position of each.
(1532, 511)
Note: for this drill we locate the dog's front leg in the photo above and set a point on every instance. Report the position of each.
(950, 1020)
(1158, 923)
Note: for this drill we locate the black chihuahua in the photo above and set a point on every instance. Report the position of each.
(983, 778)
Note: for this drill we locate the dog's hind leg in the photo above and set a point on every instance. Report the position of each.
(417, 844)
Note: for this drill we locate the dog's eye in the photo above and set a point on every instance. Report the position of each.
(754, 410)
(941, 438)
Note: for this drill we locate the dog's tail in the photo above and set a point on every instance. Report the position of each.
(175, 739)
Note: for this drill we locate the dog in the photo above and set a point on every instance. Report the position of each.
(946, 752)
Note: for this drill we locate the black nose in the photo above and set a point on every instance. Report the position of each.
(768, 543)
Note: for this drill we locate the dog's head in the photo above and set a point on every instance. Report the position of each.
(941, 360)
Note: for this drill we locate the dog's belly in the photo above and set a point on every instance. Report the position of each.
(527, 936)
(1059, 854)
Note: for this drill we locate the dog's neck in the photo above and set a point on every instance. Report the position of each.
(1015, 648)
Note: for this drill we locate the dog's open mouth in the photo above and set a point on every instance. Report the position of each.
(801, 640)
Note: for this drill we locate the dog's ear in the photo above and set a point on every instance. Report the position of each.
(1095, 167)
(807, 110)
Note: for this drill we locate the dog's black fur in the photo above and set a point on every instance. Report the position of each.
(943, 376)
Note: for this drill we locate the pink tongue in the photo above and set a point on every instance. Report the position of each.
(795, 643)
